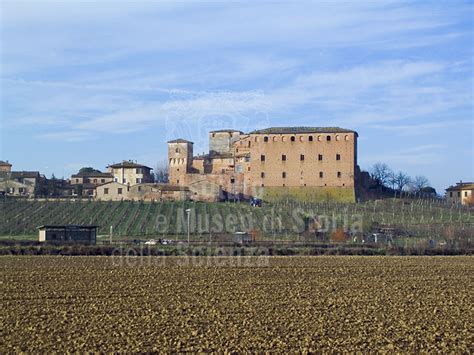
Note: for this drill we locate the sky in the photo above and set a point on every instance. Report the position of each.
(91, 83)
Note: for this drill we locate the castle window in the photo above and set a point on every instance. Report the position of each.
(283, 157)
(338, 156)
(320, 157)
(283, 175)
(275, 138)
(283, 139)
(106, 191)
(284, 185)
(321, 174)
(293, 138)
(301, 139)
(310, 138)
(450, 194)
(346, 137)
(232, 180)
(177, 181)
(248, 169)
(302, 157)
(339, 174)
(139, 188)
(262, 174)
(262, 157)
(328, 138)
(138, 181)
(465, 193)
(177, 150)
(343, 184)
(77, 180)
(320, 138)
(459, 193)
(124, 180)
(213, 135)
(265, 139)
(263, 185)
(102, 180)
(95, 181)
(338, 138)
(119, 191)
(250, 144)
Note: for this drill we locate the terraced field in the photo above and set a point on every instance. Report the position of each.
(105, 304)
(168, 218)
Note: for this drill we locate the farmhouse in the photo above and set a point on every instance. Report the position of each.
(112, 191)
(68, 234)
(21, 183)
(130, 173)
(304, 163)
(5, 166)
(462, 193)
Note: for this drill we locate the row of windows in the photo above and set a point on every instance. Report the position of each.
(459, 194)
(284, 174)
(119, 191)
(137, 180)
(95, 181)
(283, 157)
(320, 138)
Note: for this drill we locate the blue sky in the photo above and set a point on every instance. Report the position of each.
(91, 83)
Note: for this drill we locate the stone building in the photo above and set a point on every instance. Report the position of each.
(304, 163)
(5, 166)
(462, 193)
(22, 183)
(112, 191)
(87, 179)
(130, 173)
(91, 176)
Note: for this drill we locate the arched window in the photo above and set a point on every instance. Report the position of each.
(328, 138)
(293, 138)
(310, 138)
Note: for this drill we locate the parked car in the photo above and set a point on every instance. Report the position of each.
(151, 242)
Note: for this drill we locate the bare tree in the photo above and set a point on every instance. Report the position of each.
(419, 183)
(161, 172)
(400, 181)
(381, 173)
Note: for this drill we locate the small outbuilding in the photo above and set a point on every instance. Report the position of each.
(68, 234)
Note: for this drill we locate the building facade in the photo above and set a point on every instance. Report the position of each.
(304, 163)
(5, 166)
(130, 173)
(461, 194)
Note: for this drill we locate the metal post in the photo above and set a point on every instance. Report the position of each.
(188, 212)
